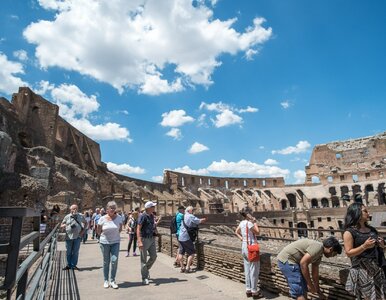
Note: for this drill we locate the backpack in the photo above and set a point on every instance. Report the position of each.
(192, 231)
(173, 225)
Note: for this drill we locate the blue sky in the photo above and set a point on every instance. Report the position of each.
(221, 88)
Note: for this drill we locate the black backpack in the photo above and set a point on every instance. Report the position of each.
(192, 231)
(173, 225)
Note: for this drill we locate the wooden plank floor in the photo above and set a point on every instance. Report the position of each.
(63, 284)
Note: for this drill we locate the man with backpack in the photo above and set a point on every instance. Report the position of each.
(186, 237)
(175, 226)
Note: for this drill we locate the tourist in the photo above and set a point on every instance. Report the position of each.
(88, 221)
(132, 228)
(364, 247)
(95, 219)
(146, 240)
(246, 232)
(294, 261)
(54, 215)
(179, 217)
(109, 229)
(186, 243)
(74, 224)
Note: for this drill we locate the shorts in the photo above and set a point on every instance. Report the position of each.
(187, 247)
(296, 282)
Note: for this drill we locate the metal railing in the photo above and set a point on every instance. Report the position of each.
(28, 285)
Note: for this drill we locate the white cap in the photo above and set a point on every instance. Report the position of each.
(149, 204)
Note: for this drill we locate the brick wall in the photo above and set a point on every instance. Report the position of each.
(228, 263)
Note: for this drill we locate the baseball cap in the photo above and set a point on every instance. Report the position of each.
(181, 207)
(149, 204)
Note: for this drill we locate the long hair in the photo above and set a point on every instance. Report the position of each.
(353, 215)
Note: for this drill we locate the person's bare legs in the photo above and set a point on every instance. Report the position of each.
(189, 262)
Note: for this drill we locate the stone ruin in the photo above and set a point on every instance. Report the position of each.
(45, 161)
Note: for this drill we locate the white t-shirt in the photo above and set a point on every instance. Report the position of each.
(110, 230)
(243, 227)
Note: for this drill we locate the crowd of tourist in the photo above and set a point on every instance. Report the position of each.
(362, 244)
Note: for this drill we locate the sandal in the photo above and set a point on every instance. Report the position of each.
(189, 271)
(182, 270)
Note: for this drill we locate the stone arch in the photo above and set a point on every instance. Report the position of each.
(314, 203)
(344, 190)
(331, 228)
(315, 179)
(292, 200)
(320, 233)
(332, 191)
(335, 201)
(283, 204)
(302, 232)
(369, 188)
(356, 189)
(324, 202)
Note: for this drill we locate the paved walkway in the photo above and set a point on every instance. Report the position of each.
(166, 281)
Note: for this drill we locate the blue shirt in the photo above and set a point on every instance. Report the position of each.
(147, 222)
(190, 221)
(179, 217)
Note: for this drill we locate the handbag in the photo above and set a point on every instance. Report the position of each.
(192, 231)
(253, 249)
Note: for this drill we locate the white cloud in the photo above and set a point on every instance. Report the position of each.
(285, 104)
(9, 83)
(76, 108)
(244, 167)
(21, 55)
(135, 44)
(197, 148)
(301, 147)
(188, 170)
(175, 133)
(43, 86)
(201, 121)
(300, 176)
(261, 147)
(124, 169)
(226, 114)
(158, 178)
(227, 118)
(271, 162)
(175, 118)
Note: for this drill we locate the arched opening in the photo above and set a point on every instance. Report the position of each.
(292, 200)
(381, 194)
(239, 192)
(315, 179)
(332, 191)
(335, 201)
(314, 203)
(249, 192)
(302, 232)
(324, 202)
(331, 228)
(369, 188)
(344, 190)
(320, 233)
(356, 189)
(340, 224)
(283, 204)
(383, 224)
(236, 183)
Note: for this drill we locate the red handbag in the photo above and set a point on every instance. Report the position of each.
(253, 249)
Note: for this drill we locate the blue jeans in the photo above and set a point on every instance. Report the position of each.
(72, 251)
(296, 282)
(110, 253)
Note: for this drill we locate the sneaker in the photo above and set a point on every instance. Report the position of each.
(127, 254)
(113, 284)
(145, 281)
(66, 268)
(135, 254)
(106, 284)
(75, 268)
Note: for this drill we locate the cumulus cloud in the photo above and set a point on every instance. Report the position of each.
(175, 133)
(21, 55)
(175, 118)
(158, 178)
(227, 115)
(271, 162)
(244, 167)
(124, 169)
(76, 108)
(135, 44)
(9, 82)
(300, 147)
(300, 176)
(188, 170)
(197, 148)
(285, 104)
